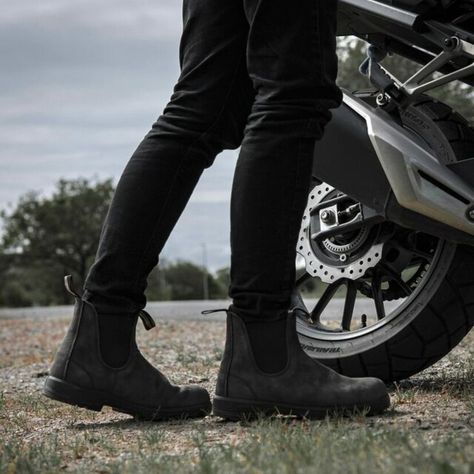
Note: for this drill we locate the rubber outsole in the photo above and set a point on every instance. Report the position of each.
(236, 409)
(64, 392)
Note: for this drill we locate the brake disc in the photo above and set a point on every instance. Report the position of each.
(347, 257)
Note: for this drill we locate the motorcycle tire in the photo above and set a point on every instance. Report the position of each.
(442, 313)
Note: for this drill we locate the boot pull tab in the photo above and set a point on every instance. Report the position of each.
(211, 311)
(147, 320)
(70, 287)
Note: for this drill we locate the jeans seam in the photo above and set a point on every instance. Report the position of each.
(178, 170)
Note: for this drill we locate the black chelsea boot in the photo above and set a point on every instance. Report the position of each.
(79, 376)
(304, 387)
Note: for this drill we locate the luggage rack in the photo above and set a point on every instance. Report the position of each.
(405, 92)
(442, 48)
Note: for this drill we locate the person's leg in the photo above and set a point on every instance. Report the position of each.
(99, 362)
(206, 114)
(292, 62)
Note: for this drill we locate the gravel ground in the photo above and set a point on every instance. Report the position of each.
(437, 402)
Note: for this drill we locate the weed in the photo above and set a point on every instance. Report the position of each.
(41, 457)
(403, 395)
(218, 353)
(187, 358)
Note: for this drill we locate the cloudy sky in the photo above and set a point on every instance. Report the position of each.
(80, 84)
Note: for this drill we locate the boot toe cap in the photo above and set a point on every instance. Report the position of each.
(374, 394)
(194, 396)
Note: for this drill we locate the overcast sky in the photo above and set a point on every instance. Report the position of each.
(81, 82)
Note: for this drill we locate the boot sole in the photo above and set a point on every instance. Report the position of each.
(64, 392)
(236, 409)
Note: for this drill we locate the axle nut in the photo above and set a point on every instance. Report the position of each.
(327, 217)
(470, 214)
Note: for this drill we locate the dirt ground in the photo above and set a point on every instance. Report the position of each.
(435, 403)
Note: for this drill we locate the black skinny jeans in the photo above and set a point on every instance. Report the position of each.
(259, 74)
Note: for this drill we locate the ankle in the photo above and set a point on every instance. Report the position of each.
(267, 338)
(116, 333)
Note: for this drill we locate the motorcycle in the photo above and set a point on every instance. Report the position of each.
(389, 226)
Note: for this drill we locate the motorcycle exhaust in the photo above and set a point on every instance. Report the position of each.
(367, 155)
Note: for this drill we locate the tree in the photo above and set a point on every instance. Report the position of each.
(351, 52)
(49, 236)
(186, 281)
(223, 277)
(158, 288)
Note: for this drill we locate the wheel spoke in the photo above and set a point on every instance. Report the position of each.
(377, 296)
(349, 303)
(413, 250)
(423, 255)
(326, 297)
(397, 279)
(302, 279)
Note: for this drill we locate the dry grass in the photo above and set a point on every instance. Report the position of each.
(429, 428)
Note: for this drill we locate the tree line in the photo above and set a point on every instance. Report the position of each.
(45, 238)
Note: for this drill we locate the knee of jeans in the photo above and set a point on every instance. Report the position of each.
(287, 124)
(210, 144)
(203, 153)
(222, 135)
(292, 115)
(217, 132)
(298, 99)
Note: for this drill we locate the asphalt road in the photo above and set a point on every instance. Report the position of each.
(175, 310)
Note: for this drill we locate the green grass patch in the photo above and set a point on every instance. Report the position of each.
(269, 446)
(283, 447)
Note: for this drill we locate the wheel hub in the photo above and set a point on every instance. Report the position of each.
(348, 254)
(340, 247)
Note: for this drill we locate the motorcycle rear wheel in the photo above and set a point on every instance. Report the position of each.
(440, 312)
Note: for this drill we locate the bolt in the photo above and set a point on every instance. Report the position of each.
(450, 43)
(382, 100)
(470, 214)
(327, 217)
(343, 257)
